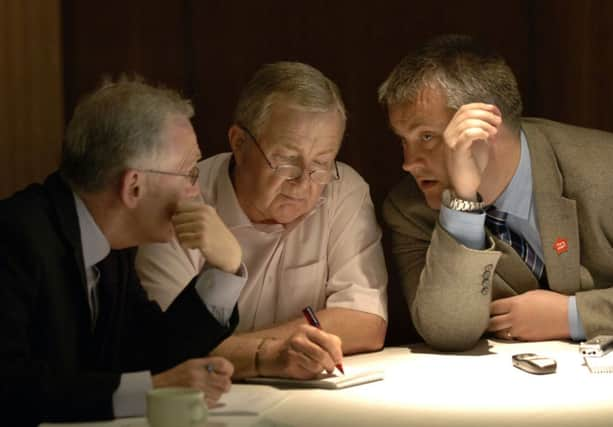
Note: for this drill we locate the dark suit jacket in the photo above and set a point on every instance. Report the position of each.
(449, 287)
(53, 365)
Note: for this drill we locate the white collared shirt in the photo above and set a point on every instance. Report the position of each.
(331, 257)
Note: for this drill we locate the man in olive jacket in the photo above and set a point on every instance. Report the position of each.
(545, 271)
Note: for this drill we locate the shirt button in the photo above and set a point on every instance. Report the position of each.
(484, 290)
(489, 267)
(486, 274)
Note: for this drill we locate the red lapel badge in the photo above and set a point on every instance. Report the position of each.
(561, 246)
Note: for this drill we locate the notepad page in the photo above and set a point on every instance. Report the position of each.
(329, 381)
(600, 365)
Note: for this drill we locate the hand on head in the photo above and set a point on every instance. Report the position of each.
(198, 226)
(303, 355)
(212, 375)
(467, 138)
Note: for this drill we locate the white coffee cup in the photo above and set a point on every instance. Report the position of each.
(176, 407)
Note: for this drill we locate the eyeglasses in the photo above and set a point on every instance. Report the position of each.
(193, 173)
(290, 171)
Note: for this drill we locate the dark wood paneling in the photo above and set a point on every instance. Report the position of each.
(574, 61)
(356, 44)
(146, 37)
(31, 120)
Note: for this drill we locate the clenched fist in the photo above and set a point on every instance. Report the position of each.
(198, 226)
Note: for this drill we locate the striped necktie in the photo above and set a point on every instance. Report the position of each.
(496, 222)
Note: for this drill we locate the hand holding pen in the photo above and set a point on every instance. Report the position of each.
(212, 375)
(303, 355)
(310, 316)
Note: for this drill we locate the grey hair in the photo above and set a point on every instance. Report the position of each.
(116, 127)
(295, 83)
(466, 72)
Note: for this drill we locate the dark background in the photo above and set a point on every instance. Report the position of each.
(560, 51)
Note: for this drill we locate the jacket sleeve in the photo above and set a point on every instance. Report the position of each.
(161, 340)
(443, 281)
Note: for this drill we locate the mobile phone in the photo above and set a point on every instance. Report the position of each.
(597, 346)
(534, 364)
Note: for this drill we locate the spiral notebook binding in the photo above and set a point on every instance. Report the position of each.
(600, 365)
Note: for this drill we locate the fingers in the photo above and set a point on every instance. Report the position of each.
(310, 363)
(478, 110)
(190, 220)
(328, 342)
(476, 121)
(504, 334)
(219, 378)
(501, 306)
(315, 349)
(500, 323)
(220, 365)
(212, 375)
(190, 205)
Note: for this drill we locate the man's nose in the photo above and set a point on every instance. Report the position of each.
(300, 186)
(413, 157)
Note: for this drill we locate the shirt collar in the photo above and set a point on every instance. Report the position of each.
(230, 210)
(516, 199)
(94, 243)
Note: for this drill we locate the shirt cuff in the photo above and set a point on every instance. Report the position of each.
(220, 291)
(466, 227)
(130, 398)
(577, 333)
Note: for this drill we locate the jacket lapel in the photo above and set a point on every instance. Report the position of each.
(68, 222)
(512, 269)
(556, 215)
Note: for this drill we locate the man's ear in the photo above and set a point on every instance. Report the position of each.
(131, 187)
(237, 139)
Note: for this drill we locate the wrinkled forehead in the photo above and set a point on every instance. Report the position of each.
(429, 105)
(300, 129)
(178, 139)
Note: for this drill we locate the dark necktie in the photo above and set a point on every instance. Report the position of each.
(496, 222)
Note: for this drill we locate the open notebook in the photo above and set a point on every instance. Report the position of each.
(329, 381)
(600, 365)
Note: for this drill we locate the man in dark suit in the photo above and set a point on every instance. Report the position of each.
(80, 340)
(504, 224)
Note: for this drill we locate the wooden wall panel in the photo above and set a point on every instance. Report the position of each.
(574, 62)
(145, 37)
(356, 44)
(31, 110)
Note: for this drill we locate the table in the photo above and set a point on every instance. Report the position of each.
(426, 388)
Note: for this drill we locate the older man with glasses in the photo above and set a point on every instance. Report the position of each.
(306, 225)
(80, 339)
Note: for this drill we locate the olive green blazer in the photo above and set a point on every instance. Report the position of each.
(449, 287)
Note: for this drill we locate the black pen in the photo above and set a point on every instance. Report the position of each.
(313, 321)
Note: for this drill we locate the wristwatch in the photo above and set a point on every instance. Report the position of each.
(452, 201)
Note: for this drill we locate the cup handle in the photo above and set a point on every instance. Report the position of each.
(198, 413)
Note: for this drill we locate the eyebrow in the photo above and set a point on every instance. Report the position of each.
(413, 124)
(295, 147)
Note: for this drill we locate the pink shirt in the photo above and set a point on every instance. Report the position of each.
(332, 257)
